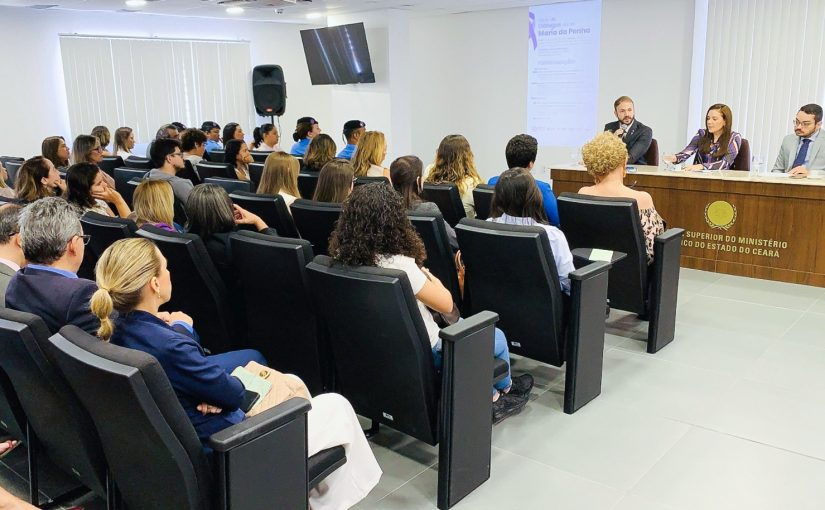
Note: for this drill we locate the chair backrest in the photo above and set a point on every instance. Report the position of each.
(12, 416)
(109, 163)
(197, 288)
(280, 316)
(510, 270)
(8, 159)
(217, 155)
(147, 438)
(271, 208)
(382, 354)
(188, 172)
(742, 161)
(446, 197)
(138, 162)
(610, 224)
(229, 185)
(207, 170)
(12, 167)
(259, 156)
(256, 171)
(307, 182)
(440, 259)
(360, 181)
(315, 222)
(122, 178)
(483, 199)
(63, 428)
(105, 230)
(652, 154)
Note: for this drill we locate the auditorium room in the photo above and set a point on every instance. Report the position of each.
(412, 254)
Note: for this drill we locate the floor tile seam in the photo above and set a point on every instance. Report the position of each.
(647, 355)
(755, 303)
(789, 328)
(664, 453)
(779, 339)
(408, 481)
(701, 367)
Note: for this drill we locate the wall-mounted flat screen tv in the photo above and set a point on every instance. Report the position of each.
(338, 55)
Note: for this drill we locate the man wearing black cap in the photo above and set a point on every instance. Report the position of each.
(353, 129)
(213, 136)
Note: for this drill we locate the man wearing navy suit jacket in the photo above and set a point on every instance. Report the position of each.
(53, 243)
(635, 135)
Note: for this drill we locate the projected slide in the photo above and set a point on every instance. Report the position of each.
(563, 72)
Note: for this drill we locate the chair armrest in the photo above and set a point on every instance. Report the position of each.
(670, 235)
(582, 256)
(590, 271)
(260, 424)
(664, 289)
(467, 327)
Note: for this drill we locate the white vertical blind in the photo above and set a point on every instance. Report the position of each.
(145, 83)
(764, 59)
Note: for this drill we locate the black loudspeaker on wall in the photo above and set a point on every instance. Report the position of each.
(269, 90)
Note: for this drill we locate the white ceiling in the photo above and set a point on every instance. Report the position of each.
(291, 11)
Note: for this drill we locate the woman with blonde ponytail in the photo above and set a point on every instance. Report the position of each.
(133, 279)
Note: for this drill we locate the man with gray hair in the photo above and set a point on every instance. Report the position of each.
(11, 254)
(53, 243)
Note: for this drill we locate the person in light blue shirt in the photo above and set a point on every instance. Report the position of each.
(521, 152)
(306, 129)
(353, 129)
(213, 136)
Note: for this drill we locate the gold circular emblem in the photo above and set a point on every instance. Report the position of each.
(720, 214)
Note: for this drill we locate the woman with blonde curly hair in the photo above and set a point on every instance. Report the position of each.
(605, 158)
(454, 163)
(369, 155)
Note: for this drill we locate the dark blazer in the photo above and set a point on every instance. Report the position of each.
(194, 377)
(57, 299)
(637, 141)
(6, 274)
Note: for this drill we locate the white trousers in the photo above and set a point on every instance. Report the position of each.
(332, 422)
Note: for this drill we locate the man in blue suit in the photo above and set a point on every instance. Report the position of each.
(53, 243)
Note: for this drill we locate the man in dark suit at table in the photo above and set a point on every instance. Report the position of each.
(53, 243)
(635, 135)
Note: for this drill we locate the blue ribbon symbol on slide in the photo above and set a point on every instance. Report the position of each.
(533, 30)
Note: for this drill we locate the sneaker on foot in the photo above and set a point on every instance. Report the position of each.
(522, 384)
(507, 405)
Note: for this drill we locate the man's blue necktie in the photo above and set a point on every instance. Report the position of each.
(802, 154)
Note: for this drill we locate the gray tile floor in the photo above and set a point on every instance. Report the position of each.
(730, 415)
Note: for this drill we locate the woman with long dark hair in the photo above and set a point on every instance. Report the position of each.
(86, 189)
(38, 178)
(265, 138)
(455, 163)
(321, 151)
(236, 153)
(335, 182)
(54, 149)
(716, 146)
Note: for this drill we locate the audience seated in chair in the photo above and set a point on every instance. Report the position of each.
(335, 182)
(165, 131)
(124, 142)
(87, 149)
(53, 244)
(518, 201)
(280, 177)
(232, 131)
(134, 280)
(369, 156)
(167, 158)
(154, 204)
(605, 158)
(11, 253)
(521, 152)
(237, 154)
(406, 177)
(321, 151)
(54, 149)
(6, 191)
(213, 136)
(306, 129)
(193, 145)
(104, 136)
(374, 231)
(265, 139)
(38, 178)
(353, 131)
(455, 163)
(88, 191)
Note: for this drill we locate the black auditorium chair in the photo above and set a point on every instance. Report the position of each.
(12, 167)
(384, 366)
(139, 163)
(131, 187)
(207, 170)
(256, 170)
(109, 163)
(259, 156)
(189, 172)
(360, 181)
(271, 208)
(510, 270)
(4, 160)
(742, 161)
(280, 316)
(648, 289)
(122, 178)
(155, 455)
(440, 259)
(198, 288)
(307, 182)
(483, 199)
(446, 197)
(58, 427)
(315, 222)
(217, 155)
(230, 185)
(104, 231)
(12, 416)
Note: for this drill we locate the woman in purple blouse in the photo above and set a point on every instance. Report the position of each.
(716, 146)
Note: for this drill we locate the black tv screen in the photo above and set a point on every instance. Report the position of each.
(338, 55)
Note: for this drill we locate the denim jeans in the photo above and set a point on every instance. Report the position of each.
(500, 351)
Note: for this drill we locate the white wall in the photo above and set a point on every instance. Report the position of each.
(469, 76)
(31, 77)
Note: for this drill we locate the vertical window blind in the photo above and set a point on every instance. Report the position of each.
(764, 59)
(145, 83)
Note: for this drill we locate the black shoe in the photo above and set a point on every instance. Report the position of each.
(522, 385)
(507, 405)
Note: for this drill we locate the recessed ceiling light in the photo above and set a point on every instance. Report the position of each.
(314, 15)
(234, 10)
(135, 3)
